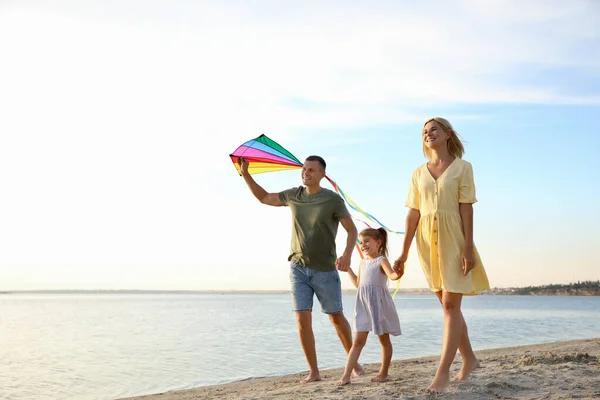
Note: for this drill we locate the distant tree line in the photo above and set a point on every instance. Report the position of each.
(579, 288)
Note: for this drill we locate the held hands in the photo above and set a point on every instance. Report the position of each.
(399, 265)
(343, 263)
(243, 163)
(468, 260)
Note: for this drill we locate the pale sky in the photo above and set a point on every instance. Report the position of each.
(117, 119)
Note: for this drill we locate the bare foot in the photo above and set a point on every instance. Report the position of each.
(358, 370)
(380, 378)
(343, 381)
(439, 383)
(312, 377)
(467, 367)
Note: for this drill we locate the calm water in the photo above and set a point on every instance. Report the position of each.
(105, 346)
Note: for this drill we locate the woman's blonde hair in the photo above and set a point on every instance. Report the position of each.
(455, 146)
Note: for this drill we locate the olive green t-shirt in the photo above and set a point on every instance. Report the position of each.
(315, 221)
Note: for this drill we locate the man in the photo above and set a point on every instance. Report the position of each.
(316, 214)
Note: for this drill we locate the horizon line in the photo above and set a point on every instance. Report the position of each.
(212, 291)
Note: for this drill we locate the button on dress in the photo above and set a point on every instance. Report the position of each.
(440, 238)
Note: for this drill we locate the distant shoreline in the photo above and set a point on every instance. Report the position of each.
(590, 289)
(134, 291)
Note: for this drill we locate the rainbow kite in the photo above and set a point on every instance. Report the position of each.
(265, 155)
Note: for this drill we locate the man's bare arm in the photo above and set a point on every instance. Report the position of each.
(348, 224)
(270, 199)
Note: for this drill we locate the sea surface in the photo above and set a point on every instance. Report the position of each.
(107, 346)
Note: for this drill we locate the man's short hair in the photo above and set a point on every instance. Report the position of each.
(319, 159)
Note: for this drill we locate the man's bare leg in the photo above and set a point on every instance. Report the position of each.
(344, 332)
(307, 340)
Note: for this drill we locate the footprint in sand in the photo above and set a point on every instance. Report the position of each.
(505, 385)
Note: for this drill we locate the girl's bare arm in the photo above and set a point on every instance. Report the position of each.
(386, 268)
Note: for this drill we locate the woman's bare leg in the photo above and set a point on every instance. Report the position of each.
(469, 360)
(453, 330)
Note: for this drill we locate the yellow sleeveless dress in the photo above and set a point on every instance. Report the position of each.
(440, 238)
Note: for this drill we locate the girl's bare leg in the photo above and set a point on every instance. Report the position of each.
(386, 358)
(342, 327)
(360, 339)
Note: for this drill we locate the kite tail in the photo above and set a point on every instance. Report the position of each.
(355, 207)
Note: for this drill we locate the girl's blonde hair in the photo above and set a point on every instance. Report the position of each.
(455, 146)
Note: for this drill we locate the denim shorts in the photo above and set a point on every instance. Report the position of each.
(306, 282)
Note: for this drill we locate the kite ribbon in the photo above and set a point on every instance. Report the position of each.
(355, 207)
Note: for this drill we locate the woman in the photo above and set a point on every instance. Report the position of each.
(440, 201)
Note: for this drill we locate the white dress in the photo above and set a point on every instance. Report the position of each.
(375, 310)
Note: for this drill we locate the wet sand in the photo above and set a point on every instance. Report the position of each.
(560, 370)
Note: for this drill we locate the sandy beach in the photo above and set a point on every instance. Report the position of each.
(560, 370)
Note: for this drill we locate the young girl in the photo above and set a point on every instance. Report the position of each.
(440, 201)
(374, 310)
